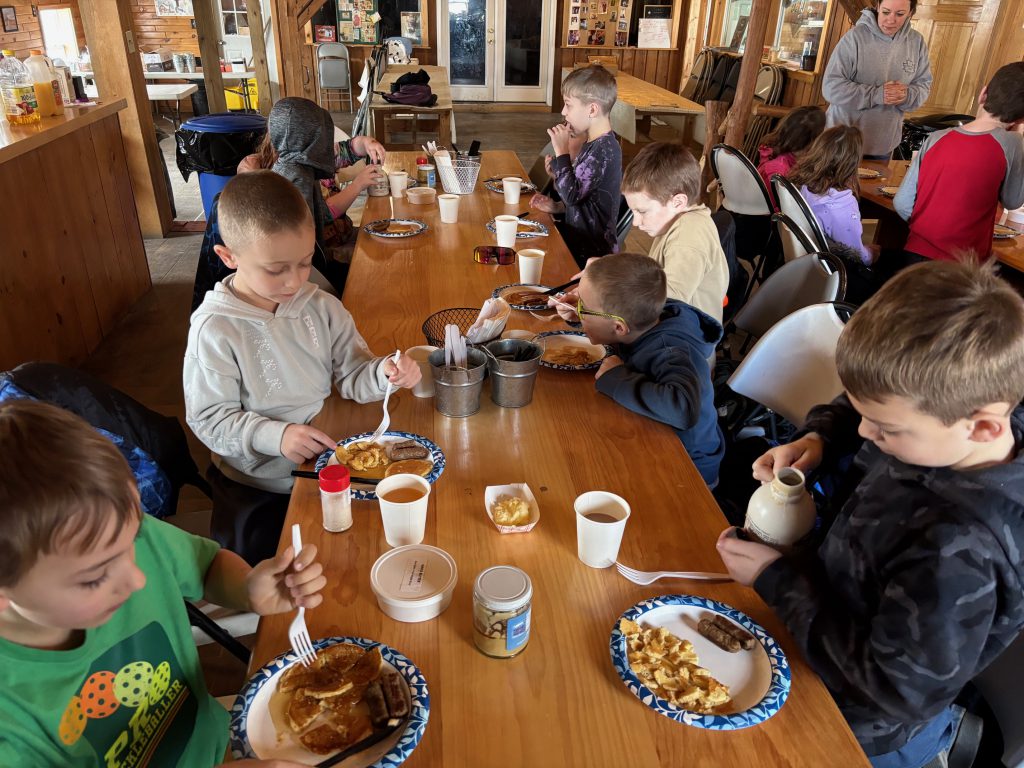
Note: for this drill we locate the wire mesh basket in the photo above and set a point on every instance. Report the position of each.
(460, 178)
(433, 326)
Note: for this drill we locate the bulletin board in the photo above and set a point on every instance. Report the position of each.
(598, 23)
(354, 24)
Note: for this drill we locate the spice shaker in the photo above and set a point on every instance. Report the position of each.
(502, 597)
(336, 498)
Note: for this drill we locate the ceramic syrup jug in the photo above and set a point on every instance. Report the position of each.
(781, 513)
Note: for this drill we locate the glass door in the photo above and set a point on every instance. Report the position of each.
(497, 50)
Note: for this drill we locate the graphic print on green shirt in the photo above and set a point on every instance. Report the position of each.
(134, 699)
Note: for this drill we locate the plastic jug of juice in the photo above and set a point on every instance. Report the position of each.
(44, 80)
(19, 96)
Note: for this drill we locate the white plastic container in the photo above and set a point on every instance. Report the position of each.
(44, 80)
(414, 583)
(781, 513)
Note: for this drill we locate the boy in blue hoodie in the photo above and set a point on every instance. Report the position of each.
(660, 366)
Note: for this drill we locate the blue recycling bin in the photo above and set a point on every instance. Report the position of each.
(214, 145)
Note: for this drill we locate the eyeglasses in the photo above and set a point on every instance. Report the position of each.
(581, 311)
(494, 254)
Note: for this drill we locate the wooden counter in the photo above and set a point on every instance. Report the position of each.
(72, 259)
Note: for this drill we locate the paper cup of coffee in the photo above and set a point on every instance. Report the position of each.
(512, 187)
(425, 387)
(403, 508)
(600, 521)
(531, 265)
(398, 180)
(505, 229)
(449, 205)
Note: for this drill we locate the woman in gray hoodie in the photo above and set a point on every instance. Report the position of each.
(878, 72)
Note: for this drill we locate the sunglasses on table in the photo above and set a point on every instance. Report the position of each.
(494, 254)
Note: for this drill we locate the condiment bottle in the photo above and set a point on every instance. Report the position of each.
(381, 187)
(781, 513)
(336, 498)
(502, 596)
(425, 175)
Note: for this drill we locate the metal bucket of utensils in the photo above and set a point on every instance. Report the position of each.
(457, 390)
(513, 368)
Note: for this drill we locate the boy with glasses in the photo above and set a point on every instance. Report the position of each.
(659, 368)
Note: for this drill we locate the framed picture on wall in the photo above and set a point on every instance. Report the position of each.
(174, 8)
(10, 18)
(326, 33)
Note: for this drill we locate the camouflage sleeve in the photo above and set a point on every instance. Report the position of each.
(837, 425)
(911, 655)
(345, 155)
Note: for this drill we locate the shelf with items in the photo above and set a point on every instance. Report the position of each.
(799, 34)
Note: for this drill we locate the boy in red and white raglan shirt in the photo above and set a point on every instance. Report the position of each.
(954, 185)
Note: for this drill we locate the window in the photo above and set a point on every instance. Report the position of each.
(235, 17)
(59, 36)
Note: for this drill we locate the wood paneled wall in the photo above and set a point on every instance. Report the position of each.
(804, 89)
(174, 33)
(29, 35)
(660, 67)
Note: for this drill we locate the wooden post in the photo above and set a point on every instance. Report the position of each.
(291, 70)
(259, 55)
(110, 31)
(208, 32)
(739, 115)
(714, 114)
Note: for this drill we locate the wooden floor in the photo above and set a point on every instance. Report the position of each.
(143, 356)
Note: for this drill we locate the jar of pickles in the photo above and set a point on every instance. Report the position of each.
(502, 596)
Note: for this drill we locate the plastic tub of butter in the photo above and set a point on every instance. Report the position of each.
(414, 583)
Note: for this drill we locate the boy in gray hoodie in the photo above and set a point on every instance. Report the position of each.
(878, 72)
(264, 348)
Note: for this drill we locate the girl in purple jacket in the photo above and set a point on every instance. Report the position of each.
(827, 178)
(793, 134)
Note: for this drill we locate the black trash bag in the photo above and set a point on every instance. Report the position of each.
(216, 153)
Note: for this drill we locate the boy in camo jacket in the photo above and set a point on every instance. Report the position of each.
(919, 582)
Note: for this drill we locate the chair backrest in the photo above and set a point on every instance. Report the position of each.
(332, 51)
(538, 173)
(334, 66)
(624, 223)
(1001, 684)
(743, 190)
(811, 279)
(703, 65)
(795, 242)
(792, 203)
(792, 367)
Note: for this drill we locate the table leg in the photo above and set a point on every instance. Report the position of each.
(245, 95)
(444, 130)
(177, 113)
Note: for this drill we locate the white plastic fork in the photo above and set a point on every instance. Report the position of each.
(386, 421)
(298, 635)
(649, 577)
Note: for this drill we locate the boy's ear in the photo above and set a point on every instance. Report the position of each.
(4, 600)
(226, 256)
(680, 200)
(983, 96)
(988, 425)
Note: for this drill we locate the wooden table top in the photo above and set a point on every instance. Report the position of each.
(438, 84)
(170, 91)
(1009, 252)
(560, 701)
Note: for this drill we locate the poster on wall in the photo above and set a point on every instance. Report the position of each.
(655, 33)
(174, 8)
(598, 23)
(412, 28)
(356, 21)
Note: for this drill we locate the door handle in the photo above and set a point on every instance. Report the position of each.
(490, 30)
(305, 74)
(490, 41)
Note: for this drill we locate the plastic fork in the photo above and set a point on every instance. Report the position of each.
(386, 421)
(298, 635)
(649, 577)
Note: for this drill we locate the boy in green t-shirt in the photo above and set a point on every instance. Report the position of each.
(97, 661)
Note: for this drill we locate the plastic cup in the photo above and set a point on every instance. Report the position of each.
(449, 205)
(512, 187)
(531, 265)
(421, 354)
(404, 521)
(597, 541)
(398, 180)
(505, 229)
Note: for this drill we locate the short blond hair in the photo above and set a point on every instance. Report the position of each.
(258, 204)
(49, 498)
(592, 84)
(630, 285)
(662, 170)
(947, 336)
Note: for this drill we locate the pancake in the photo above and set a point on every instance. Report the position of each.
(421, 467)
(302, 711)
(527, 298)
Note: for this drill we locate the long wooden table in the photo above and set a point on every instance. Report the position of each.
(892, 229)
(442, 111)
(560, 702)
(639, 100)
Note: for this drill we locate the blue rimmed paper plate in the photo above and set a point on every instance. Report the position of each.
(496, 185)
(514, 294)
(570, 351)
(393, 228)
(1003, 232)
(527, 228)
(362, 492)
(758, 679)
(255, 735)
(888, 191)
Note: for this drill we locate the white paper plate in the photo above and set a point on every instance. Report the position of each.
(574, 339)
(868, 173)
(361, 491)
(504, 291)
